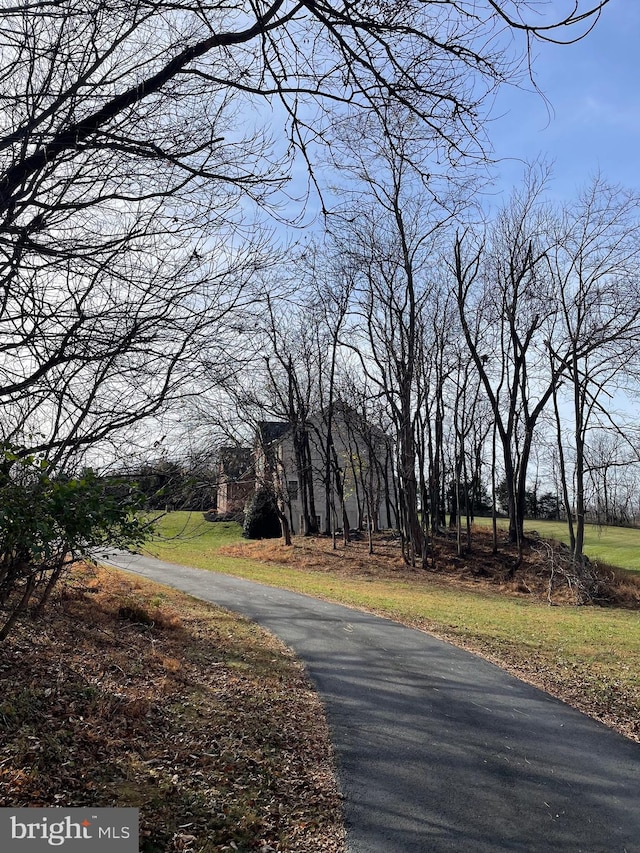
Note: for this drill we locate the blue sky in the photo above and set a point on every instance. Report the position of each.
(589, 122)
(594, 90)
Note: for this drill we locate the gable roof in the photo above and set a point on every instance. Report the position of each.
(235, 461)
(270, 431)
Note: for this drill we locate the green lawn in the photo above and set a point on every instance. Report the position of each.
(187, 532)
(588, 655)
(617, 546)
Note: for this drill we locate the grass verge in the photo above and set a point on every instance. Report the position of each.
(587, 656)
(127, 693)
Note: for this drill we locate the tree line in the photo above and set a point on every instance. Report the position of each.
(480, 347)
(145, 148)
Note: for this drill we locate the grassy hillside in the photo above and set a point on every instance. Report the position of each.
(589, 656)
(617, 546)
(188, 537)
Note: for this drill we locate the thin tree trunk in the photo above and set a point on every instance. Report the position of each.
(20, 608)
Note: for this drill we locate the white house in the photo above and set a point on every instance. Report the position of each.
(331, 472)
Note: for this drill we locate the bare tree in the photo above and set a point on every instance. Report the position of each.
(328, 287)
(440, 361)
(507, 306)
(598, 334)
(135, 160)
(127, 170)
(388, 236)
(612, 469)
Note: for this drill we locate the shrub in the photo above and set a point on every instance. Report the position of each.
(48, 522)
(214, 516)
(261, 518)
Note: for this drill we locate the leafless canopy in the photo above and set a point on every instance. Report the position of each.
(137, 137)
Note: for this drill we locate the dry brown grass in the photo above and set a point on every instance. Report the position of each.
(477, 569)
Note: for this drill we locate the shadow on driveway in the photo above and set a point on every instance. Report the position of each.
(437, 749)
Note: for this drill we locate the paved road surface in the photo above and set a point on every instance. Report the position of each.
(437, 749)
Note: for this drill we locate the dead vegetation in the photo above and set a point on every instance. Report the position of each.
(129, 694)
(544, 572)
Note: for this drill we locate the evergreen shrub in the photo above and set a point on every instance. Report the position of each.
(261, 519)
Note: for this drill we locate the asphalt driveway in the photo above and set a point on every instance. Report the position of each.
(437, 749)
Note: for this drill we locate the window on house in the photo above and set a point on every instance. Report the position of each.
(292, 490)
(318, 522)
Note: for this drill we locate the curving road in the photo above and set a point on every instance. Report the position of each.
(437, 749)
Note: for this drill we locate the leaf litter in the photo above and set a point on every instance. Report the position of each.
(126, 693)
